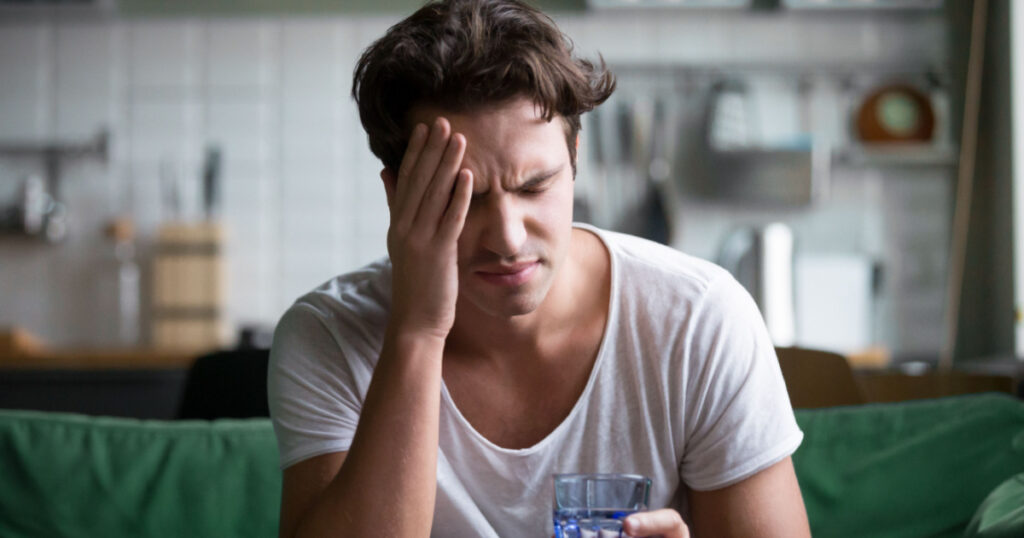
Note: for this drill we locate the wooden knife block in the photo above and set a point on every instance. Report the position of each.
(188, 292)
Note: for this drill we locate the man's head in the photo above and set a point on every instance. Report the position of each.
(461, 55)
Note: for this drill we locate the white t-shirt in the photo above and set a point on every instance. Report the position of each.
(686, 389)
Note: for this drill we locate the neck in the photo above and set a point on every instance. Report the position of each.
(483, 336)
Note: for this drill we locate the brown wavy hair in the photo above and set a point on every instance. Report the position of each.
(458, 55)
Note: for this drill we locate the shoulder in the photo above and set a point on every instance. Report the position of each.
(646, 266)
(365, 290)
(349, 309)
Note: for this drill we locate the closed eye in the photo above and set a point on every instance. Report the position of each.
(533, 186)
(538, 184)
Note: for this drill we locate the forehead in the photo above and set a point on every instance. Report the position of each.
(512, 135)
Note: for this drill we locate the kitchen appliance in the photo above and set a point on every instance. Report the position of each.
(761, 258)
(834, 297)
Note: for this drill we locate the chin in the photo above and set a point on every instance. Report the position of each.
(511, 304)
(507, 307)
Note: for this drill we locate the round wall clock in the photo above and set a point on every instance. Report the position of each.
(896, 113)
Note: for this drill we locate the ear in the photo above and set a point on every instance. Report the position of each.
(390, 181)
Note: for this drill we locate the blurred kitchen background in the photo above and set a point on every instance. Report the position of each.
(174, 174)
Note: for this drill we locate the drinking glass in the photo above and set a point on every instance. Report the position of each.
(594, 505)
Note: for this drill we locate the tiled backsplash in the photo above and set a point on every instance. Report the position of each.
(301, 194)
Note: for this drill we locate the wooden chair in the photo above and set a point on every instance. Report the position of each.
(818, 378)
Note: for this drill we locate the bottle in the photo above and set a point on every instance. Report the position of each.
(122, 232)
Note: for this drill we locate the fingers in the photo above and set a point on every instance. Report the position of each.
(665, 522)
(415, 177)
(455, 216)
(439, 191)
(417, 140)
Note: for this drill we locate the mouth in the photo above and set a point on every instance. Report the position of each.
(508, 275)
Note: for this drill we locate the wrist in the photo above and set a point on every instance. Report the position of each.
(409, 328)
(415, 341)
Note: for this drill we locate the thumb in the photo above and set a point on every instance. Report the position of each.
(665, 522)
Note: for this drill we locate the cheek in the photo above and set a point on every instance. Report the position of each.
(557, 206)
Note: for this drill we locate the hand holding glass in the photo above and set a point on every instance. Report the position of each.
(594, 505)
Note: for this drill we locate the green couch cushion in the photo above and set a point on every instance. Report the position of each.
(914, 469)
(64, 475)
(1001, 514)
(910, 469)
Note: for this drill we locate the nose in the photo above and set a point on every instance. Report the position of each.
(504, 232)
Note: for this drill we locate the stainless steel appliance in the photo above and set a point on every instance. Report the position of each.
(761, 258)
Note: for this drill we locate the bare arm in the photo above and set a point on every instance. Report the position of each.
(385, 484)
(766, 505)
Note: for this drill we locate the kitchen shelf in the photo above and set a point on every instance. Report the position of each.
(674, 4)
(861, 4)
(43, 214)
(97, 146)
(896, 155)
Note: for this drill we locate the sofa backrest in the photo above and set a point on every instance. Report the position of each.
(79, 476)
(914, 469)
(909, 469)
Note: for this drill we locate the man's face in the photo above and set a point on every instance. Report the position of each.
(519, 223)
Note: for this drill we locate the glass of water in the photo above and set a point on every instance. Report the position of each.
(594, 505)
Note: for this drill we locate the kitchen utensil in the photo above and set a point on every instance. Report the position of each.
(170, 191)
(211, 181)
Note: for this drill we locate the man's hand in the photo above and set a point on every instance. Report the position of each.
(386, 483)
(666, 523)
(429, 200)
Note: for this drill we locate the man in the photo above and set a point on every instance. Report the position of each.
(436, 392)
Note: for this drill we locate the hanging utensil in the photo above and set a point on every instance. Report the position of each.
(211, 181)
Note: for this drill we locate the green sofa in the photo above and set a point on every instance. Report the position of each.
(913, 469)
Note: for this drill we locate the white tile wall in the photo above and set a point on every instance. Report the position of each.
(239, 53)
(163, 129)
(26, 82)
(244, 129)
(164, 54)
(86, 80)
(87, 59)
(301, 194)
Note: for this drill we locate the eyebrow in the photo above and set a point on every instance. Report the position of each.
(540, 177)
(533, 180)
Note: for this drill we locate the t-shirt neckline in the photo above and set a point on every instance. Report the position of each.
(613, 310)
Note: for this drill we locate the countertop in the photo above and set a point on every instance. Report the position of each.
(99, 358)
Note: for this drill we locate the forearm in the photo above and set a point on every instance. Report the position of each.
(387, 484)
(388, 480)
